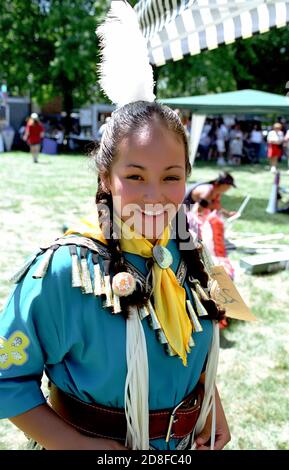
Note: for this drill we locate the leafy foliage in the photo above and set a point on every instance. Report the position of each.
(49, 48)
(211, 71)
(260, 62)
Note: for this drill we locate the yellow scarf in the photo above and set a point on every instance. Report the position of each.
(169, 296)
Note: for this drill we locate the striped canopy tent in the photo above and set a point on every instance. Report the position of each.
(175, 28)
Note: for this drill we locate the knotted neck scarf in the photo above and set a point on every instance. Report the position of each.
(169, 296)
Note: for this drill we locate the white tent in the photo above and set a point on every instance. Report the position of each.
(175, 28)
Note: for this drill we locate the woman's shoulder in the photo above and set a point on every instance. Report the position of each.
(61, 256)
(203, 187)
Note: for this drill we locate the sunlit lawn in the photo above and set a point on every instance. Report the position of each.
(35, 202)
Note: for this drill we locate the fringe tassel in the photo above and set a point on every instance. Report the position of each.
(200, 291)
(85, 274)
(76, 269)
(169, 350)
(136, 385)
(86, 279)
(108, 292)
(155, 325)
(143, 312)
(161, 337)
(191, 342)
(202, 312)
(76, 272)
(107, 284)
(116, 304)
(195, 321)
(41, 269)
(207, 258)
(210, 386)
(15, 278)
(98, 280)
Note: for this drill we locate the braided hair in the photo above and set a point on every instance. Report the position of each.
(194, 263)
(126, 120)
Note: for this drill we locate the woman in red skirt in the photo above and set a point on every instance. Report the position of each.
(275, 140)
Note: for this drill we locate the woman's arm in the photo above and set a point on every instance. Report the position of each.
(227, 213)
(44, 426)
(222, 436)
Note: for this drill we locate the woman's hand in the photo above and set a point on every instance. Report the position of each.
(92, 443)
(226, 213)
(222, 436)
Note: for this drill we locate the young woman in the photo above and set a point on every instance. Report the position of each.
(275, 141)
(81, 343)
(119, 312)
(33, 135)
(209, 194)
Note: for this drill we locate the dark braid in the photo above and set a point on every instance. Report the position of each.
(128, 119)
(117, 262)
(195, 266)
(132, 118)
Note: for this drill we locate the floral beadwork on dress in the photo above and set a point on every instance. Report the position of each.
(12, 350)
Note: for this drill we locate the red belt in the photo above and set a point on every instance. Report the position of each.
(102, 421)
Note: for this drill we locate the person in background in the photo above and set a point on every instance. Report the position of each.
(256, 139)
(58, 134)
(222, 137)
(236, 149)
(286, 147)
(204, 146)
(208, 194)
(275, 141)
(33, 135)
(236, 145)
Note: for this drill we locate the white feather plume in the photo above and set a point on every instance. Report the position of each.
(126, 75)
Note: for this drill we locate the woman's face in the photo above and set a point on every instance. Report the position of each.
(223, 188)
(147, 179)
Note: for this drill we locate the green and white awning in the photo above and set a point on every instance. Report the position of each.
(175, 28)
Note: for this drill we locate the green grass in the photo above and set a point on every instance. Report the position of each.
(253, 377)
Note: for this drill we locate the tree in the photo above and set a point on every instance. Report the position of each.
(49, 48)
(210, 71)
(260, 62)
(263, 61)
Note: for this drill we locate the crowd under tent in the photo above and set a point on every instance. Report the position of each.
(233, 102)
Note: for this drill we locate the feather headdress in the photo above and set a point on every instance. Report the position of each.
(125, 72)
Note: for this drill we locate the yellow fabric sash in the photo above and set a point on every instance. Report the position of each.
(169, 296)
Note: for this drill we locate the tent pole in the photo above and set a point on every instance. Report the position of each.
(197, 124)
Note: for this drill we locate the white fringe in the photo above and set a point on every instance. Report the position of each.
(126, 75)
(136, 385)
(210, 385)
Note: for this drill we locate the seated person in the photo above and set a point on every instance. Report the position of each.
(208, 194)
